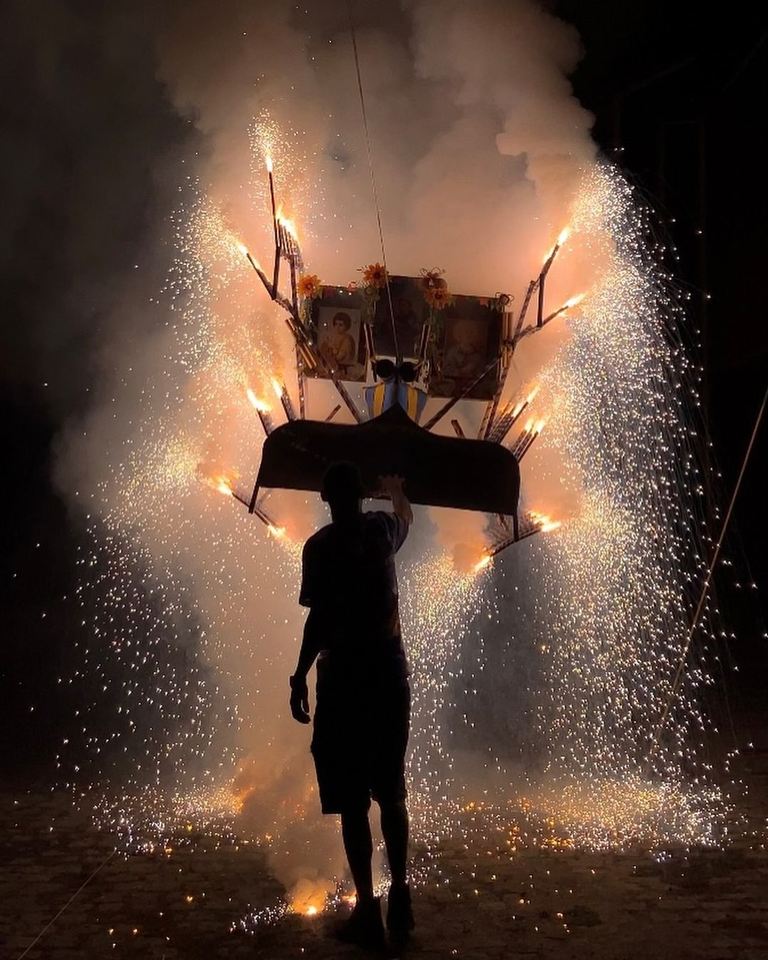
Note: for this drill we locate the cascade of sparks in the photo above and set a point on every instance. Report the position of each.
(191, 602)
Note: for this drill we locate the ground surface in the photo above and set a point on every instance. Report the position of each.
(184, 902)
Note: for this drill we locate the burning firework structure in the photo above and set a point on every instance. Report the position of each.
(415, 340)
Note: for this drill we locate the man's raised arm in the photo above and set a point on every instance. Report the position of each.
(393, 488)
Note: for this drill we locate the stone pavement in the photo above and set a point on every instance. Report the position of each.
(185, 902)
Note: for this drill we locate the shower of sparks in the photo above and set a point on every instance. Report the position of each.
(192, 602)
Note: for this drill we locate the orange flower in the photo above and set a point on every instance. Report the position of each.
(437, 297)
(374, 276)
(309, 286)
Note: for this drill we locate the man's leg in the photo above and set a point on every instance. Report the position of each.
(394, 826)
(358, 845)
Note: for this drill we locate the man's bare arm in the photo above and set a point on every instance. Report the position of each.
(393, 488)
(311, 645)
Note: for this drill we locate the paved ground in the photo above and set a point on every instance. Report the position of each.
(187, 902)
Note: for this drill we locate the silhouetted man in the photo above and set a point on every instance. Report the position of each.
(362, 715)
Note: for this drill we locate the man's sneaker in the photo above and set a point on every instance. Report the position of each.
(364, 926)
(399, 912)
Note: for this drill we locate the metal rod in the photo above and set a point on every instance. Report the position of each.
(333, 413)
(302, 384)
(272, 198)
(540, 309)
(457, 429)
(452, 403)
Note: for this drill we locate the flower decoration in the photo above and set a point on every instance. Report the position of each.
(374, 275)
(437, 297)
(309, 286)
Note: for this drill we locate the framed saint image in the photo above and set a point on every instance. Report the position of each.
(468, 343)
(410, 311)
(337, 319)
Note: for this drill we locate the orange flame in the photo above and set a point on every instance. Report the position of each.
(277, 532)
(277, 387)
(483, 562)
(257, 404)
(573, 301)
(564, 234)
(223, 485)
(242, 248)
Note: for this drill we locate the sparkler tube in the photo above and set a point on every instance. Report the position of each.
(457, 429)
(285, 399)
(540, 309)
(505, 423)
(493, 405)
(520, 442)
(302, 384)
(523, 310)
(266, 421)
(333, 413)
(276, 272)
(254, 497)
(272, 199)
(452, 403)
(526, 446)
(553, 315)
(294, 294)
(262, 276)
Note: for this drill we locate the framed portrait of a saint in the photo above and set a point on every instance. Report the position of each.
(337, 332)
(467, 348)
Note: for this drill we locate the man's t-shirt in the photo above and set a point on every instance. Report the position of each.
(349, 580)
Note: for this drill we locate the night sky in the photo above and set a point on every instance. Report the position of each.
(679, 97)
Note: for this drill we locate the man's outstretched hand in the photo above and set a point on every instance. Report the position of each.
(300, 699)
(392, 487)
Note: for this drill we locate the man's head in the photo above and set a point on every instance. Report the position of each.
(342, 487)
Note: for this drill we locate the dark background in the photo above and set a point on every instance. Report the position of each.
(679, 96)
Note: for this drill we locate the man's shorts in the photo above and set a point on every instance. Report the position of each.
(359, 742)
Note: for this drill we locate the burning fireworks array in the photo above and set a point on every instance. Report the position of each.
(195, 622)
(541, 670)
